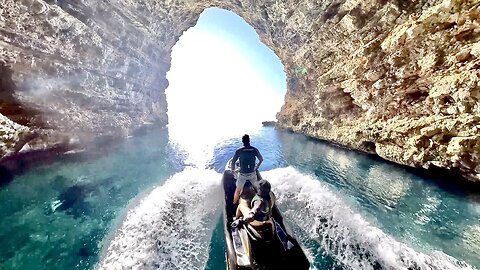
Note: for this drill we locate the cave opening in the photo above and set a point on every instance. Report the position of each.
(223, 82)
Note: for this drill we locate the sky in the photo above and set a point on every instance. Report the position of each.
(223, 81)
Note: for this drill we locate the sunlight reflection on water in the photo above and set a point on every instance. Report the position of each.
(198, 142)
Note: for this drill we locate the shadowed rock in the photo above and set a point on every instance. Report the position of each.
(5, 176)
(396, 77)
(72, 200)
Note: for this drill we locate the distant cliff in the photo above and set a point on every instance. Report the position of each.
(269, 123)
(396, 78)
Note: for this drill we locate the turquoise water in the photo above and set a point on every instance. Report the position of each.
(141, 206)
(35, 236)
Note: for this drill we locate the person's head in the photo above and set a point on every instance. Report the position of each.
(246, 140)
(248, 191)
(264, 188)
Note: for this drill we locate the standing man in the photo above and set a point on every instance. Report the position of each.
(246, 155)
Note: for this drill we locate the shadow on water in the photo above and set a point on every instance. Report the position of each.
(216, 258)
(95, 149)
(444, 179)
(6, 176)
(430, 209)
(58, 213)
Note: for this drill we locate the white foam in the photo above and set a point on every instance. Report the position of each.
(343, 233)
(171, 227)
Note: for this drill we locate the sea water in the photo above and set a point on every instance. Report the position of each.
(146, 205)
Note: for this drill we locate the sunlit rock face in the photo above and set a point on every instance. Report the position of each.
(397, 78)
(400, 79)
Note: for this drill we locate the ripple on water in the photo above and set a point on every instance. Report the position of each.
(171, 227)
(344, 234)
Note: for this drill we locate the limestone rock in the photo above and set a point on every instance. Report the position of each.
(396, 78)
(12, 136)
(422, 110)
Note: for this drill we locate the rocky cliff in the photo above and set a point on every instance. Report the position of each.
(398, 80)
(392, 77)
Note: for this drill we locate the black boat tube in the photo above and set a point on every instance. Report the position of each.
(231, 256)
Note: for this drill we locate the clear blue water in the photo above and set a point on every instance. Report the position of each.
(140, 205)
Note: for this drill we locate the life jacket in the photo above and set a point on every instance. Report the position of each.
(264, 212)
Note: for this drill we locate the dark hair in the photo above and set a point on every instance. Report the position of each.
(264, 188)
(248, 191)
(246, 139)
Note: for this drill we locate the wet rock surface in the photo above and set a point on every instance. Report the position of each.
(395, 78)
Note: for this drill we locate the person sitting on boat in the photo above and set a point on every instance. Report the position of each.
(248, 192)
(247, 156)
(259, 215)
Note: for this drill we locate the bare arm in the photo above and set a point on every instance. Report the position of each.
(260, 158)
(255, 208)
(234, 160)
(243, 208)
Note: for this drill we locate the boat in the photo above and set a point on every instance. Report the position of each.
(244, 248)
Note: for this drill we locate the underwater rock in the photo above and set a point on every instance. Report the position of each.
(72, 196)
(369, 75)
(6, 176)
(72, 200)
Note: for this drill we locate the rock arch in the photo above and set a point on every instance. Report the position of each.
(379, 70)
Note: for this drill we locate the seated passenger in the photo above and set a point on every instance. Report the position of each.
(248, 192)
(259, 215)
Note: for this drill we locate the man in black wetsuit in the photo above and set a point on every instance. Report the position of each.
(247, 156)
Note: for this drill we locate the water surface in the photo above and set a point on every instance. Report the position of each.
(148, 204)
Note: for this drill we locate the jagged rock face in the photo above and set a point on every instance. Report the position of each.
(399, 81)
(398, 78)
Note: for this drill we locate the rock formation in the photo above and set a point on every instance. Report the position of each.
(391, 77)
(399, 81)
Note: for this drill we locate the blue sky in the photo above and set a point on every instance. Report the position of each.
(223, 55)
(223, 81)
(240, 35)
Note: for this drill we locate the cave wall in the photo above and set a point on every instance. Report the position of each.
(400, 80)
(392, 77)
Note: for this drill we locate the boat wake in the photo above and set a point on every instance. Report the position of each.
(171, 227)
(341, 232)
